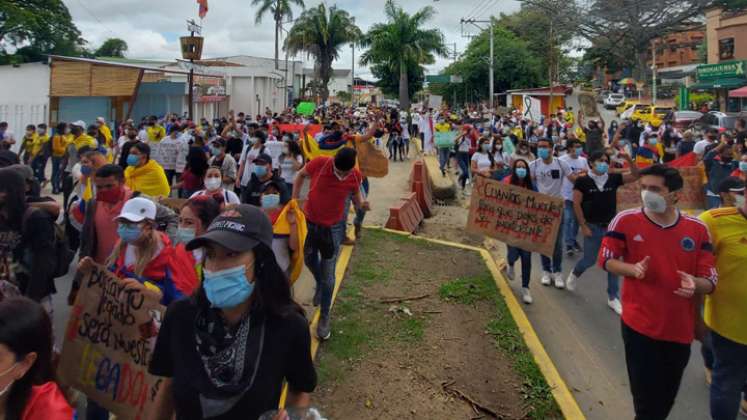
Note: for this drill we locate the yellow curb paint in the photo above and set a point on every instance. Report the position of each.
(343, 260)
(563, 396)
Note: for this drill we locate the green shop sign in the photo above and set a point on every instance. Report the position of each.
(721, 70)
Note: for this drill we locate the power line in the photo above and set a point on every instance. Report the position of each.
(478, 6)
(96, 18)
(487, 7)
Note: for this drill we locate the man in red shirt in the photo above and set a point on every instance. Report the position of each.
(667, 260)
(332, 182)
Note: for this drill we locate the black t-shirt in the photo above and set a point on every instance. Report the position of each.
(286, 355)
(599, 207)
(255, 188)
(741, 137)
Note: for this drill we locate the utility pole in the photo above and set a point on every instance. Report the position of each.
(549, 69)
(352, 71)
(475, 22)
(653, 68)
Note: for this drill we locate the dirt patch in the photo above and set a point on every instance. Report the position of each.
(419, 331)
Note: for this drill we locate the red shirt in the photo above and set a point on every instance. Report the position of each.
(650, 306)
(327, 194)
(106, 227)
(47, 402)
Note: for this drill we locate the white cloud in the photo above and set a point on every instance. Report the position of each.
(151, 27)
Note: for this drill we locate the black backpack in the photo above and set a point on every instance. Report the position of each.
(63, 255)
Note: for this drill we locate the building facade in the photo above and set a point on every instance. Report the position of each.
(726, 35)
(24, 98)
(678, 49)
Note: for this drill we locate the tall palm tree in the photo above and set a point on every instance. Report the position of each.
(321, 32)
(401, 42)
(279, 9)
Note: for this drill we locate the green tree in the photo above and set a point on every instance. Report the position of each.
(321, 32)
(279, 9)
(112, 47)
(388, 77)
(344, 97)
(401, 43)
(30, 28)
(515, 66)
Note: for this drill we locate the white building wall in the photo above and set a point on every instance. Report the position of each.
(24, 97)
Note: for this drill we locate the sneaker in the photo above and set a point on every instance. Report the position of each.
(570, 282)
(317, 296)
(526, 296)
(709, 377)
(443, 173)
(569, 251)
(510, 272)
(545, 278)
(743, 407)
(358, 229)
(323, 330)
(615, 305)
(558, 277)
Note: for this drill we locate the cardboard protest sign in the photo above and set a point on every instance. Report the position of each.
(108, 344)
(371, 161)
(175, 204)
(514, 215)
(691, 195)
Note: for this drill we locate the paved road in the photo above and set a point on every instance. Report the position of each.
(582, 336)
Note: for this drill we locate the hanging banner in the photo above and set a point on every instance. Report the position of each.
(517, 216)
(108, 344)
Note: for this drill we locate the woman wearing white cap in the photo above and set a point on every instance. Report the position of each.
(143, 256)
(226, 351)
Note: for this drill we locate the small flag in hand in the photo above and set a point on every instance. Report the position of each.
(203, 8)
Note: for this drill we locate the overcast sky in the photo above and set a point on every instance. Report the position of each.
(152, 27)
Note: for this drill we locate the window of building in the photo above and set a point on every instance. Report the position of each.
(726, 48)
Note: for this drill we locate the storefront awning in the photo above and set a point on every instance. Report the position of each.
(738, 93)
(725, 83)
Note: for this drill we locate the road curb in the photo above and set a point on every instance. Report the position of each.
(560, 391)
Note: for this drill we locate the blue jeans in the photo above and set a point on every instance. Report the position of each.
(320, 255)
(570, 225)
(443, 158)
(729, 377)
(556, 264)
(591, 249)
(38, 165)
(56, 173)
(463, 161)
(514, 254)
(712, 202)
(359, 214)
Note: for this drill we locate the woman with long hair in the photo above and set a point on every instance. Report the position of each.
(291, 160)
(520, 178)
(216, 188)
(195, 217)
(194, 172)
(226, 351)
(27, 387)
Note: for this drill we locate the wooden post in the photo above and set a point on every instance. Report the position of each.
(133, 98)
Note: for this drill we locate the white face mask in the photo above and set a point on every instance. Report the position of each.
(212, 184)
(739, 201)
(653, 201)
(7, 387)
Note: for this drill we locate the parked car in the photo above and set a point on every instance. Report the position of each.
(684, 119)
(614, 100)
(715, 119)
(625, 106)
(602, 95)
(637, 112)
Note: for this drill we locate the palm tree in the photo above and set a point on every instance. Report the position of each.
(279, 9)
(400, 42)
(321, 32)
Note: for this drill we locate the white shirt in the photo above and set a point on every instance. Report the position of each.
(274, 148)
(287, 172)
(229, 197)
(282, 252)
(700, 147)
(549, 177)
(577, 165)
(482, 160)
(248, 154)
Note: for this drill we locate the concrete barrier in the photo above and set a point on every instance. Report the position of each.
(420, 184)
(406, 214)
(444, 187)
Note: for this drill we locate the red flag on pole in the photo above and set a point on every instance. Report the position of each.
(203, 8)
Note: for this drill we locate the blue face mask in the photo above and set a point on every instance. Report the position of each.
(260, 170)
(270, 201)
(543, 153)
(129, 233)
(579, 151)
(521, 172)
(652, 141)
(184, 235)
(214, 151)
(227, 288)
(743, 166)
(133, 160)
(602, 167)
(86, 170)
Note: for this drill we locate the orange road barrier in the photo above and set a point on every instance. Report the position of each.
(420, 184)
(405, 215)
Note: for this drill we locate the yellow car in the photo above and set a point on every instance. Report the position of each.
(641, 112)
(625, 105)
(657, 117)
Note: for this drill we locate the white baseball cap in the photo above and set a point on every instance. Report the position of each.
(79, 123)
(138, 209)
